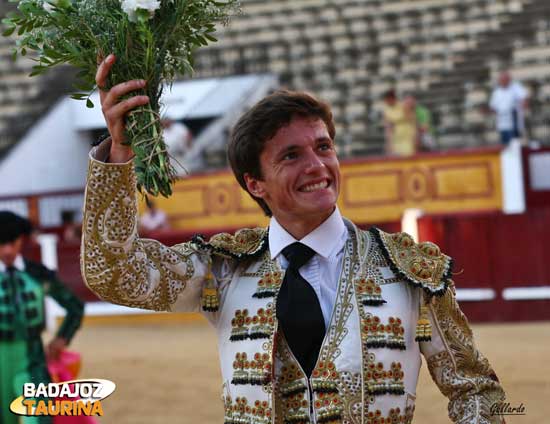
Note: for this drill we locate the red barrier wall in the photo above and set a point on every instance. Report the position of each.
(493, 250)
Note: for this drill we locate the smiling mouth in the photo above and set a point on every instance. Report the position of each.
(314, 187)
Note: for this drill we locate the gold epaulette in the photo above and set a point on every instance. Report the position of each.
(421, 264)
(247, 243)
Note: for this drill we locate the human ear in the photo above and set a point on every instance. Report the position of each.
(254, 186)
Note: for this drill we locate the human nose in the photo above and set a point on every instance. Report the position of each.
(313, 161)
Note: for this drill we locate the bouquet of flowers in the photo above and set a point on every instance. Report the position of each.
(153, 40)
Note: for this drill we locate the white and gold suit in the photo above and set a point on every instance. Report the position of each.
(392, 292)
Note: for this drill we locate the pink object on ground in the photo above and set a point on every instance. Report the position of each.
(66, 368)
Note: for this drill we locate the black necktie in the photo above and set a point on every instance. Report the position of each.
(299, 311)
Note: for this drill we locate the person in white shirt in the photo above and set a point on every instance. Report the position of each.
(317, 321)
(153, 219)
(508, 102)
(177, 137)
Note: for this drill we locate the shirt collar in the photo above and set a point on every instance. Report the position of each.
(327, 239)
(19, 264)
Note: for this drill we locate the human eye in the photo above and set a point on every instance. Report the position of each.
(289, 156)
(325, 146)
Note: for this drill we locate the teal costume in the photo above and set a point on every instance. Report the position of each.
(22, 357)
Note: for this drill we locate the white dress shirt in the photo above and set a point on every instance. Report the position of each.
(504, 101)
(322, 272)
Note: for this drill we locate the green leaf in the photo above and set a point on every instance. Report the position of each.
(9, 31)
(89, 103)
(79, 96)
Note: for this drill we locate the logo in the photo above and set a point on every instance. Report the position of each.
(74, 397)
(505, 408)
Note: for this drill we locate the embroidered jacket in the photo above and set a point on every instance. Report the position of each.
(391, 293)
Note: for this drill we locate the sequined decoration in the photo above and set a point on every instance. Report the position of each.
(394, 416)
(423, 326)
(422, 265)
(260, 326)
(240, 412)
(380, 381)
(256, 372)
(239, 323)
(377, 335)
(269, 285)
(291, 381)
(210, 300)
(329, 408)
(368, 292)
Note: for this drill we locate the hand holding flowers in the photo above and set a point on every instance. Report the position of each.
(152, 41)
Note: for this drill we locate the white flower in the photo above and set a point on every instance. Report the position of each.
(132, 6)
(48, 5)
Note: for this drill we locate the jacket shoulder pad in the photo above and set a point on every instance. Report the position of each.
(420, 264)
(247, 243)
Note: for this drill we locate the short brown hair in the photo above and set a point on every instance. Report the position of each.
(262, 122)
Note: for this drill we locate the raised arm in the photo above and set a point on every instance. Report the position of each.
(116, 264)
(458, 368)
(114, 110)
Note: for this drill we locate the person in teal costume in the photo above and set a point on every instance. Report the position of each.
(23, 286)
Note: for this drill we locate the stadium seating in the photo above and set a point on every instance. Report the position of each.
(22, 99)
(446, 52)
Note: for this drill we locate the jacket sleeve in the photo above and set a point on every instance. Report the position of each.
(57, 290)
(119, 266)
(73, 306)
(460, 371)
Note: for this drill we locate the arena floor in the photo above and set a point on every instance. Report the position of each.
(167, 372)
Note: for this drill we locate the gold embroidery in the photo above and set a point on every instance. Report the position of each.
(240, 412)
(376, 380)
(350, 385)
(269, 284)
(329, 408)
(377, 335)
(368, 292)
(394, 416)
(336, 400)
(380, 381)
(260, 326)
(256, 372)
(239, 323)
(245, 243)
(292, 380)
(291, 400)
(421, 264)
(423, 326)
(115, 263)
(210, 299)
(461, 372)
(266, 265)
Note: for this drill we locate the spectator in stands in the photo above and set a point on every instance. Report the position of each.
(153, 219)
(177, 137)
(71, 230)
(400, 125)
(509, 101)
(23, 285)
(424, 125)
